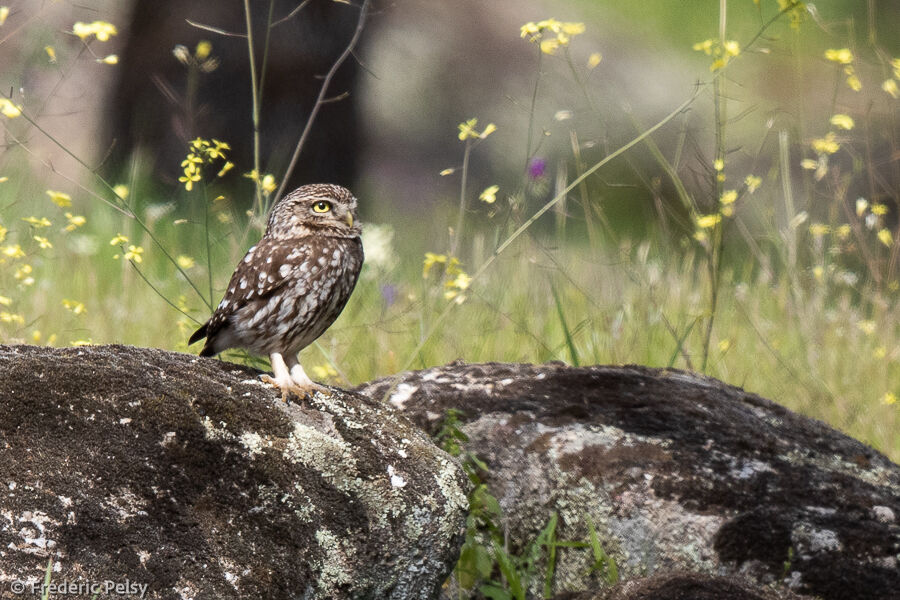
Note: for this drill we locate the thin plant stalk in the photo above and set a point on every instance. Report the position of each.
(254, 89)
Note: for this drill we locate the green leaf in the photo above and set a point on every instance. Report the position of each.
(494, 592)
(508, 569)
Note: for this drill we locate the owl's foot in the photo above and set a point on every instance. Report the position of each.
(288, 386)
(290, 380)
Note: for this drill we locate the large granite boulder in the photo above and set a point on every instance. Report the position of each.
(189, 476)
(676, 472)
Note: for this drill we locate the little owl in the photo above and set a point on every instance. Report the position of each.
(292, 285)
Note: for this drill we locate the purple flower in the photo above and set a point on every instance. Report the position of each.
(389, 293)
(536, 167)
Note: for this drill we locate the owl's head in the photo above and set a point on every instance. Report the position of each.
(319, 208)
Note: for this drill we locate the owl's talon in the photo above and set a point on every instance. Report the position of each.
(288, 386)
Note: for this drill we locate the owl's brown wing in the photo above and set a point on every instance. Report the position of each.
(263, 270)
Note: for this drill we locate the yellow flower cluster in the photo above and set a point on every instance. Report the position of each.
(74, 306)
(266, 182)
(102, 30)
(551, 34)
(467, 130)
(489, 195)
(8, 109)
(890, 84)
(844, 57)
(60, 199)
(457, 281)
(722, 52)
(203, 152)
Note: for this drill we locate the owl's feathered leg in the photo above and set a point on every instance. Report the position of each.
(289, 377)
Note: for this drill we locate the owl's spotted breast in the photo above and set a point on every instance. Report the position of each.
(285, 294)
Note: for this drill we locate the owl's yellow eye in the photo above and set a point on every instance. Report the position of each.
(321, 206)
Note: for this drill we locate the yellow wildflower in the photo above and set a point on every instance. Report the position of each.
(732, 48)
(467, 129)
(753, 182)
(75, 221)
(74, 306)
(809, 164)
(879, 209)
(225, 168)
(268, 184)
(841, 56)
(885, 237)
(889, 86)
(432, 259)
(4, 13)
(729, 197)
(60, 199)
(23, 274)
(889, 398)
(7, 317)
(217, 150)
(572, 28)
(121, 190)
(203, 50)
(35, 222)
(826, 145)
(708, 221)
(594, 60)
(13, 251)
(489, 195)
(529, 29)
(111, 59)
(51, 54)
(102, 30)
(705, 46)
(4, 301)
(819, 229)
(842, 121)
(843, 231)
(185, 262)
(118, 240)
(134, 254)
(719, 164)
(43, 242)
(9, 109)
(550, 46)
(854, 82)
(325, 371)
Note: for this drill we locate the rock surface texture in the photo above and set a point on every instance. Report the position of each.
(187, 475)
(677, 471)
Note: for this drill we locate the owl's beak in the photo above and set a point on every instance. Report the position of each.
(349, 220)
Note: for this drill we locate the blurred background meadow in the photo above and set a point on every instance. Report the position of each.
(708, 185)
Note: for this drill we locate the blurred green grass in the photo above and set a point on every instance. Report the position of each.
(814, 353)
